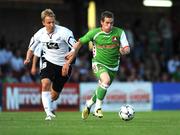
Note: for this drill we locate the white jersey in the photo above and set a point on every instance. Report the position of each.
(39, 53)
(55, 45)
(38, 50)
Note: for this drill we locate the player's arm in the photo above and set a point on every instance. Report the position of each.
(76, 46)
(29, 55)
(83, 40)
(70, 57)
(32, 45)
(34, 62)
(124, 48)
(38, 52)
(74, 51)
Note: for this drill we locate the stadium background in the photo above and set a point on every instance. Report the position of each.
(153, 33)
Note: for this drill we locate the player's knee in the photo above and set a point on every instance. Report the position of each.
(105, 79)
(46, 85)
(104, 85)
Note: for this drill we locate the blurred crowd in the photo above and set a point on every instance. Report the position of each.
(154, 57)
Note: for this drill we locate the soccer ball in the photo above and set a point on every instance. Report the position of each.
(126, 112)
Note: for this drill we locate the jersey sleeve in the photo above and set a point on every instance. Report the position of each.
(87, 37)
(34, 41)
(38, 51)
(123, 40)
(69, 38)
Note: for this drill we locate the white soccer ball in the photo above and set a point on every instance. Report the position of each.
(126, 112)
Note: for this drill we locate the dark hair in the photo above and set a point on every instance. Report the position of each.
(107, 14)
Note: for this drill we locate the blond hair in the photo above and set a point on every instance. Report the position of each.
(47, 12)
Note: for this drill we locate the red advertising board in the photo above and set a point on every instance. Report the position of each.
(27, 97)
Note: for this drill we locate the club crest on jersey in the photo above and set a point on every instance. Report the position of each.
(114, 39)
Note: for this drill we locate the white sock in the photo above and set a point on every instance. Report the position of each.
(46, 101)
(53, 105)
(89, 103)
(98, 104)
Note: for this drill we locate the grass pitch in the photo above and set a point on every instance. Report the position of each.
(70, 123)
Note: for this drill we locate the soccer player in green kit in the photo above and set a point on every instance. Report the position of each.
(109, 43)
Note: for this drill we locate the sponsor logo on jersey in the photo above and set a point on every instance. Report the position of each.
(51, 45)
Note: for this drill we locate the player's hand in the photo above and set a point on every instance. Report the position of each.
(65, 69)
(124, 51)
(27, 61)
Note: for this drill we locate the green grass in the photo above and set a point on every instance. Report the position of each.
(70, 123)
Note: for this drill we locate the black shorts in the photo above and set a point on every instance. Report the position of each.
(54, 73)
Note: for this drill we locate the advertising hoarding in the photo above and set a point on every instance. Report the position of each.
(166, 96)
(27, 97)
(138, 95)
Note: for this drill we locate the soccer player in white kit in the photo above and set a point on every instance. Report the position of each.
(55, 69)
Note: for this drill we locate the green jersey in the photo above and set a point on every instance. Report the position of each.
(106, 46)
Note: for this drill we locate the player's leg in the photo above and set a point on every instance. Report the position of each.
(104, 82)
(57, 85)
(90, 102)
(55, 92)
(97, 69)
(54, 97)
(105, 77)
(87, 108)
(46, 97)
(46, 75)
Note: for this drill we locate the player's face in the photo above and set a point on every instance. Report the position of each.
(49, 23)
(107, 24)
